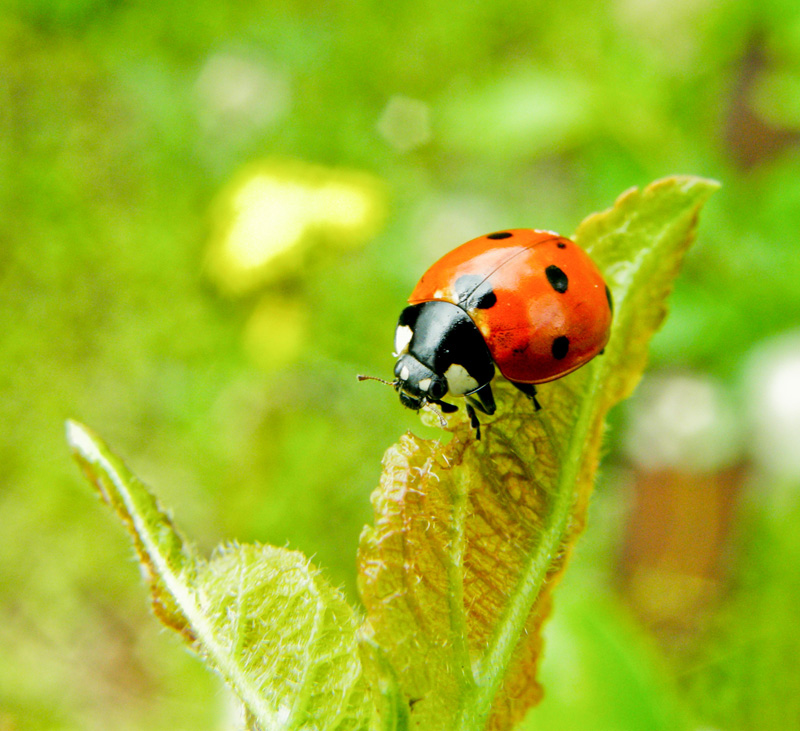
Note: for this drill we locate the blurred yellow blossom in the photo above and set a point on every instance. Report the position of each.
(275, 212)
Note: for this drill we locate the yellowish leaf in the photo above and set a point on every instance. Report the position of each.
(471, 537)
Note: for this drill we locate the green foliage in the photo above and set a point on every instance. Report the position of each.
(113, 156)
(746, 670)
(262, 617)
(469, 539)
(593, 644)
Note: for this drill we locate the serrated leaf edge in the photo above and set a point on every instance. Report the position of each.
(90, 449)
(489, 672)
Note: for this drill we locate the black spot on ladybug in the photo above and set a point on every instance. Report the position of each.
(560, 347)
(558, 280)
(499, 235)
(610, 301)
(561, 245)
(485, 300)
(521, 350)
(475, 292)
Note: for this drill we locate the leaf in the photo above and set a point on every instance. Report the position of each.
(471, 537)
(262, 617)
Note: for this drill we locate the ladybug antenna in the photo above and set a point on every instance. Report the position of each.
(379, 380)
(428, 406)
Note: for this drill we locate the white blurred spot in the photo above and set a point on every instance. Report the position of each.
(240, 91)
(772, 382)
(681, 422)
(405, 123)
(782, 396)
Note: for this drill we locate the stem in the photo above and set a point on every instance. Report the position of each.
(95, 453)
(494, 665)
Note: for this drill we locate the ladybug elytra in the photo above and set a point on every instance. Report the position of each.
(529, 303)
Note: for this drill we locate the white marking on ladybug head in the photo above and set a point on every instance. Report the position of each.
(425, 384)
(402, 338)
(459, 381)
(404, 373)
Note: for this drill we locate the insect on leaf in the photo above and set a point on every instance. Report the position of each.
(470, 538)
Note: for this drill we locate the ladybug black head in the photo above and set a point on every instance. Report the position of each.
(416, 383)
(439, 351)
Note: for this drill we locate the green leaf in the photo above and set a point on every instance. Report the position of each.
(262, 617)
(471, 537)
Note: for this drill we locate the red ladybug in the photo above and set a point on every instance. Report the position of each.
(530, 302)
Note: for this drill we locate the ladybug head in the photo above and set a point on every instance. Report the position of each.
(439, 351)
(416, 383)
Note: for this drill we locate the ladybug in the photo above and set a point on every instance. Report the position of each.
(530, 303)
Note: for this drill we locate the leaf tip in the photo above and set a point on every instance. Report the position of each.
(90, 453)
(685, 184)
(78, 437)
(85, 445)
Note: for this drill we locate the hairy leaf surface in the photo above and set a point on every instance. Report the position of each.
(470, 537)
(262, 617)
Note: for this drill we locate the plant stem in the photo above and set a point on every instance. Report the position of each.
(495, 663)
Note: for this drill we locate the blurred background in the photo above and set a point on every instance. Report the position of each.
(211, 214)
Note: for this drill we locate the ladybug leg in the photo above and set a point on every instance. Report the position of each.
(447, 408)
(530, 391)
(483, 399)
(473, 420)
